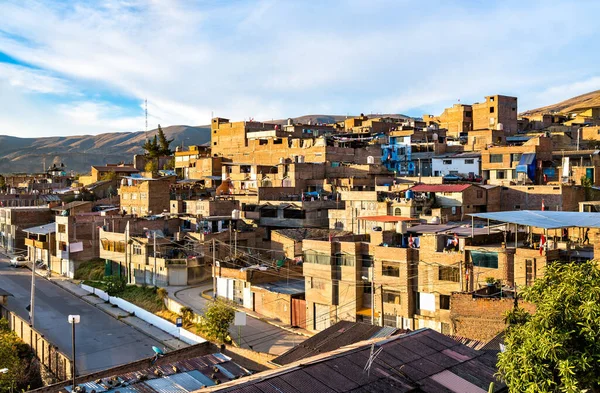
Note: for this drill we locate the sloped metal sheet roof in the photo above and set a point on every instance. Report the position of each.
(42, 229)
(545, 219)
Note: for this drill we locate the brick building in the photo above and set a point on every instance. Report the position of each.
(144, 196)
(13, 221)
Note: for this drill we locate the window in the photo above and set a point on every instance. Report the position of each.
(500, 175)
(448, 273)
(137, 249)
(62, 228)
(468, 113)
(491, 109)
(214, 143)
(134, 196)
(469, 161)
(397, 211)
(143, 195)
(529, 272)
(392, 297)
(491, 99)
(390, 320)
(447, 162)
(390, 269)
(515, 156)
(344, 259)
(495, 158)
(263, 142)
(125, 195)
(318, 258)
(277, 141)
(517, 207)
(444, 302)
(317, 283)
(485, 259)
(479, 193)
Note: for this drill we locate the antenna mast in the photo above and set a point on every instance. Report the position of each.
(146, 111)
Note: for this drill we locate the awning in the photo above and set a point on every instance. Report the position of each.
(42, 229)
(386, 218)
(544, 219)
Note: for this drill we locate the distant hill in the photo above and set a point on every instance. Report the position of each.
(572, 104)
(79, 153)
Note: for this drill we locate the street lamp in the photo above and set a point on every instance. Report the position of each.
(372, 299)
(154, 249)
(73, 320)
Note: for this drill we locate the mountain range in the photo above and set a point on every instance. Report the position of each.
(78, 153)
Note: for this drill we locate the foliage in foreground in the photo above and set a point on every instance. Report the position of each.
(23, 369)
(216, 320)
(558, 348)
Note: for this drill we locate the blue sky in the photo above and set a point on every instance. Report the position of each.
(85, 67)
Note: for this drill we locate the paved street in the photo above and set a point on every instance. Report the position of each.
(257, 335)
(102, 341)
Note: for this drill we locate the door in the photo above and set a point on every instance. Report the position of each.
(322, 318)
(299, 313)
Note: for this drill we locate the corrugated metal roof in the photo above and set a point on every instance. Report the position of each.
(386, 218)
(424, 361)
(545, 219)
(42, 229)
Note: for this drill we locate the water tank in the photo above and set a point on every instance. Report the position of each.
(409, 194)
(500, 127)
(282, 160)
(300, 159)
(290, 122)
(235, 214)
(434, 137)
(123, 182)
(370, 160)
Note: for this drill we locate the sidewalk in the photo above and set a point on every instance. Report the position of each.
(259, 334)
(168, 340)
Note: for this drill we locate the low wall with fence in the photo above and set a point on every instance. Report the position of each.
(55, 361)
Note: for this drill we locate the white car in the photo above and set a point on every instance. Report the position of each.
(18, 261)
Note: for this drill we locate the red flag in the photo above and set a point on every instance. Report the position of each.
(410, 241)
(542, 243)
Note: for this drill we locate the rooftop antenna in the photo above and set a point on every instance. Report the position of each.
(146, 111)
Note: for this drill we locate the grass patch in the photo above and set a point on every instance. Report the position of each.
(90, 270)
(144, 297)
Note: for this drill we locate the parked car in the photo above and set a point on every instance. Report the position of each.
(451, 179)
(18, 261)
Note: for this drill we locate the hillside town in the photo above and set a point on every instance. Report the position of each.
(362, 244)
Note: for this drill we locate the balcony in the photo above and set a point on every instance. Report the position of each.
(36, 244)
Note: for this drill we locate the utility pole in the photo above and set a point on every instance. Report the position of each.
(154, 248)
(214, 259)
(32, 301)
(73, 320)
(381, 291)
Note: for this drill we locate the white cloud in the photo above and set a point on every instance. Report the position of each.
(272, 59)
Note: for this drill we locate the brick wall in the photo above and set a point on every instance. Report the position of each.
(480, 318)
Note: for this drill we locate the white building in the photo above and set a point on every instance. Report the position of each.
(454, 164)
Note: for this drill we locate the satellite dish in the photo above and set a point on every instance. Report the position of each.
(158, 351)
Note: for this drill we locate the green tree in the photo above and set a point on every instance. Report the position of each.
(587, 184)
(557, 349)
(163, 143)
(2, 182)
(115, 285)
(170, 164)
(151, 167)
(152, 148)
(109, 176)
(217, 318)
(187, 314)
(16, 356)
